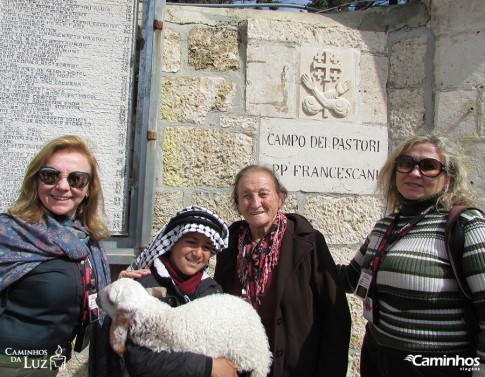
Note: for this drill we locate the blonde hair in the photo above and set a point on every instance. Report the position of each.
(458, 190)
(90, 211)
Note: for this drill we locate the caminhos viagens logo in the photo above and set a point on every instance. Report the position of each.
(463, 363)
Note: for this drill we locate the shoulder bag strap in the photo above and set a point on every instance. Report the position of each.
(455, 244)
(454, 241)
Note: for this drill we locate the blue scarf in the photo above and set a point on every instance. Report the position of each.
(24, 246)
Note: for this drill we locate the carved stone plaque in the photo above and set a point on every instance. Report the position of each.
(328, 83)
(66, 68)
(325, 156)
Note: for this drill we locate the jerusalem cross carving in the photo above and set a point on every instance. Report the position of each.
(326, 81)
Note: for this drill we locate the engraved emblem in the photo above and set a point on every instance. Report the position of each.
(326, 70)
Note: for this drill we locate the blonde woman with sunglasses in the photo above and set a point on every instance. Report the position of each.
(412, 301)
(52, 263)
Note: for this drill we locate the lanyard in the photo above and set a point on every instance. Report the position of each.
(390, 237)
(89, 313)
(89, 284)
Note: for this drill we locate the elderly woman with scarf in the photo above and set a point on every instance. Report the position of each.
(282, 266)
(177, 259)
(51, 261)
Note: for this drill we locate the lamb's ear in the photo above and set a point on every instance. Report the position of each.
(158, 292)
(115, 295)
(119, 331)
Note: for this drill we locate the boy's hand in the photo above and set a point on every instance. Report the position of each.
(133, 274)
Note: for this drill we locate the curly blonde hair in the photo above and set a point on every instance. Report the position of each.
(90, 211)
(458, 190)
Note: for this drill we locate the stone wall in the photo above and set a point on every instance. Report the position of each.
(226, 72)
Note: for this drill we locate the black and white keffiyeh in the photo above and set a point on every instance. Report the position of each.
(188, 220)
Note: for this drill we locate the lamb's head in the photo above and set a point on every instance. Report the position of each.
(120, 300)
(123, 295)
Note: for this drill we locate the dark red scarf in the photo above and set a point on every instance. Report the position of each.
(186, 284)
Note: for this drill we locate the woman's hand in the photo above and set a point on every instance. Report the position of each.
(133, 274)
(223, 368)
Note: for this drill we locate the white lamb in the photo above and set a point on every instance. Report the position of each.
(219, 325)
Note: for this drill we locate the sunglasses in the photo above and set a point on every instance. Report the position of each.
(51, 176)
(428, 167)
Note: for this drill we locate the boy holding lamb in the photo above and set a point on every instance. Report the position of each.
(177, 259)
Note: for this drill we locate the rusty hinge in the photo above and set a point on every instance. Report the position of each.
(151, 135)
(158, 25)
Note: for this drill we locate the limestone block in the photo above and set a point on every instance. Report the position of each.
(166, 204)
(280, 30)
(212, 266)
(411, 15)
(461, 63)
(474, 150)
(217, 202)
(452, 17)
(406, 114)
(290, 205)
(456, 113)
(408, 62)
(326, 33)
(249, 125)
(195, 157)
(358, 322)
(372, 89)
(184, 15)
(271, 80)
(481, 110)
(190, 99)
(344, 256)
(171, 51)
(343, 220)
(76, 367)
(368, 41)
(214, 49)
(354, 364)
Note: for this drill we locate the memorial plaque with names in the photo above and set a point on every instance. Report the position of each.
(66, 68)
(323, 156)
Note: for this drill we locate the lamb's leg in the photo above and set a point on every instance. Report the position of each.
(119, 331)
(158, 292)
